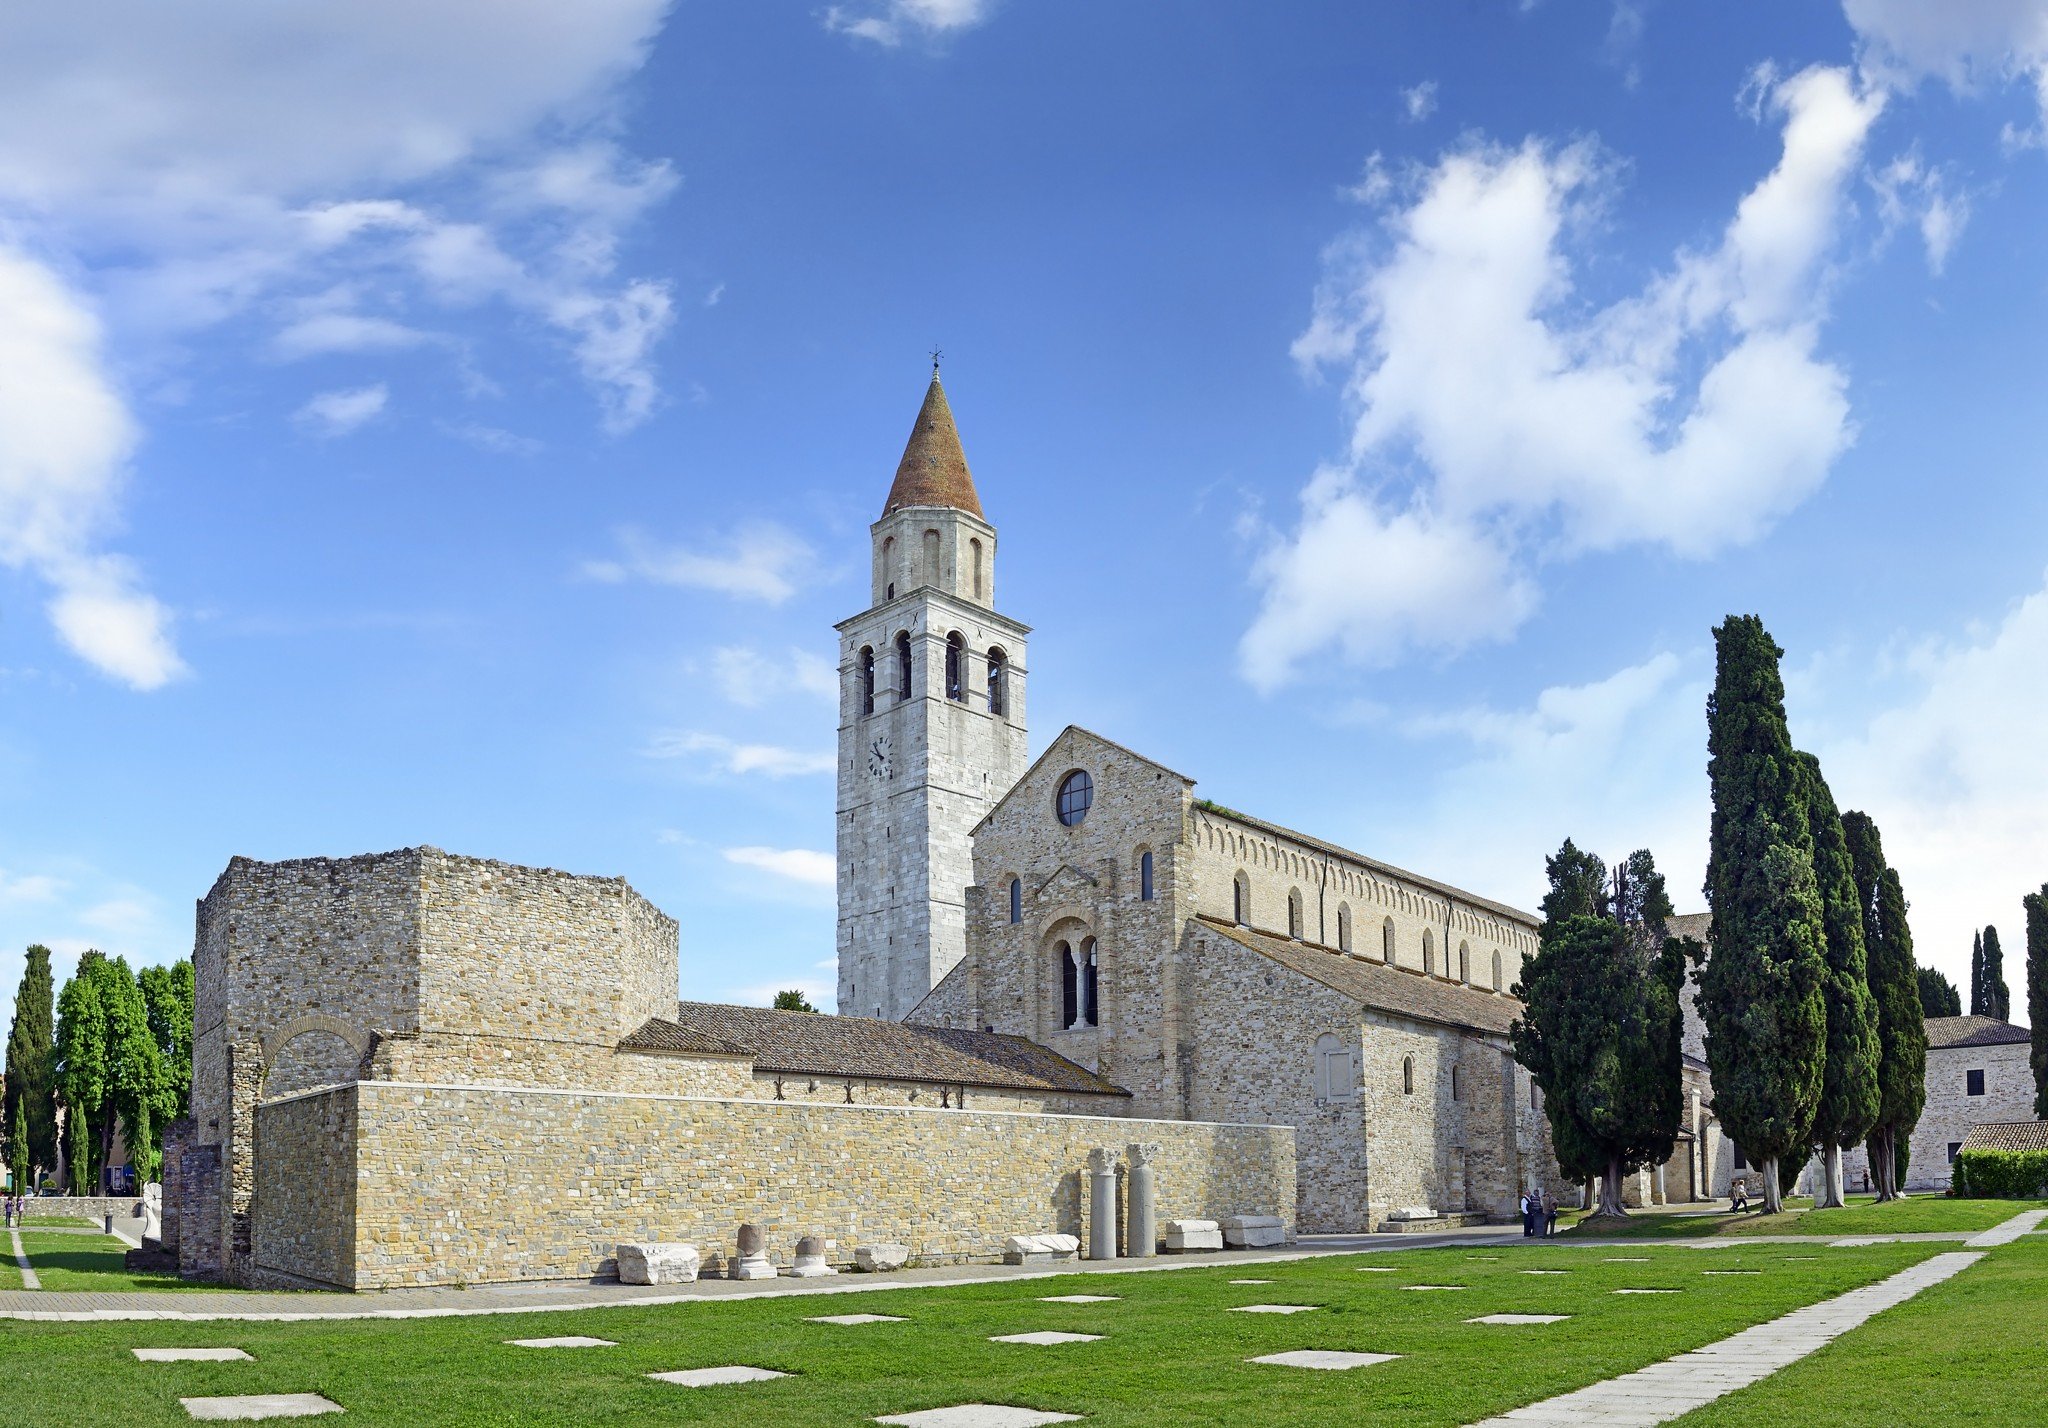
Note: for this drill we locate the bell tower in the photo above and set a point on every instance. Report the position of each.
(931, 725)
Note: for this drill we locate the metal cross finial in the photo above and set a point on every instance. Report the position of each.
(936, 355)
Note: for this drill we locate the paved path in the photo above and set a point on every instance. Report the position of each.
(29, 1282)
(2024, 1223)
(1665, 1391)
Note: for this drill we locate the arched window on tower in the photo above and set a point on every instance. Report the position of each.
(1070, 987)
(1145, 876)
(998, 671)
(903, 664)
(1343, 927)
(1294, 913)
(1016, 899)
(1387, 942)
(931, 557)
(867, 679)
(1090, 1008)
(1407, 1075)
(974, 549)
(1241, 899)
(956, 666)
(889, 566)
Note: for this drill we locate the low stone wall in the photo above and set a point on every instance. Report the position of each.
(454, 1184)
(124, 1208)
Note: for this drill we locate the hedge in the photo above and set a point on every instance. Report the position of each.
(2002, 1174)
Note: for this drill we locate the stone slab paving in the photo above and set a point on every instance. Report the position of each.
(1543, 1271)
(2023, 1223)
(184, 1356)
(564, 1341)
(852, 1319)
(1426, 1287)
(1272, 1308)
(979, 1415)
(1113, 1298)
(1649, 1291)
(1731, 1271)
(1043, 1337)
(1251, 1281)
(29, 1282)
(1519, 1319)
(1323, 1359)
(712, 1377)
(1675, 1387)
(251, 1406)
(1377, 1269)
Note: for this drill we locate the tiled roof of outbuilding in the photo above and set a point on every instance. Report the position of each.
(1947, 1033)
(1383, 988)
(933, 471)
(658, 1035)
(2007, 1135)
(815, 1044)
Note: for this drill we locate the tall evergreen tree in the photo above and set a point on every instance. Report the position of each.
(1977, 974)
(1895, 984)
(1578, 885)
(30, 1111)
(1760, 991)
(1601, 1030)
(1938, 995)
(84, 1078)
(1849, 1100)
(2037, 993)
(1997, 996)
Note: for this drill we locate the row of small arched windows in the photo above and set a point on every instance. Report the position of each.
(956, 673)
(1241, 913)
(931, 573)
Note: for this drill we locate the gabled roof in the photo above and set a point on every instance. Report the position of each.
(2007, 1135)
(1054, 747)
(655, 1034)
(933, 471)
(1374, 984)
(812, 1043)
(1948, 1033)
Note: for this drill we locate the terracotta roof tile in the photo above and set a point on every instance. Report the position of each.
(933, 471)
(1383, 988)
(812, 1043)
(658, 1035)
(2007, 1135)
(1947, 1033)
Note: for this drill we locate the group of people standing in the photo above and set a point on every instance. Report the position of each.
(17, 1210)
(1539, 1214)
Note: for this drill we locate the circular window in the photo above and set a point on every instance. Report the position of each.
(1077, 791)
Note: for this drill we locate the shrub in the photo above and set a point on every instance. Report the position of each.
(2002, 1174)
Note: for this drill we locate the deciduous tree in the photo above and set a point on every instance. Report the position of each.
(84, 1079)
(793, 1000)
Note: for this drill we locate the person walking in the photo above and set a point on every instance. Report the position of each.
(1549, 1215)
(1528, 1217)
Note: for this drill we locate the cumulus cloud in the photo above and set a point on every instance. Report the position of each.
(339, 413)
(1500, 420)
(734, 757)
(759, 562)
(799, 865)
(66, 440)
(750, 679)
(1966, 43)
(1419, 102)
(890, 22)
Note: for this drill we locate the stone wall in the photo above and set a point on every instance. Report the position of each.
(1951, 1110)
(526, 1184)
(305, 1221)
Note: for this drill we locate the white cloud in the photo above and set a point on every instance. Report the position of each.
(888, 22)
(327, 333)
(735, 757)
(19, 888)
(495, 440)
(799, 865)
(66, 439)
(1911, 192)
(1966, 43)
(1528, 427)
(751, 679)
(339, 413)
(760, 562)
(1419, 102)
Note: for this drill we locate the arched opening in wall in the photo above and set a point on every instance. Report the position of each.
(903, 664)
(1464, 962)
(309, 1059)
(1496, 969)
(1145, 876)
(931, 557)
(974, 548)
(1016, 900)
(867, 679)
(1294, 919)
(1070, 986)
(1343, 927)
(1428, 953)
(1241, 899)
(889, 565)
(1336, 1071)
(998, 668)
(1387, 942)
(956, 666)
(1090, 1007)
(1407, 1075)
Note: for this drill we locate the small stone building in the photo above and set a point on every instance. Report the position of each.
(1978, 1071)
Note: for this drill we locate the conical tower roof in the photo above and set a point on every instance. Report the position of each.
(933, 471)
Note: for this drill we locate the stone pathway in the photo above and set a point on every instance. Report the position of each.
(2023, 1223)
(1667, 1390)
(190, 1356)
(1334, 1359)
(979, 1415)
(29, 1282)
(712, 1377)
(260, 1405)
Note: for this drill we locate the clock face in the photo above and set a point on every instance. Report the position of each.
(878, 756)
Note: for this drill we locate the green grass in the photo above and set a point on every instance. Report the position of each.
(1919, 1214)
(1170, 1352)
(10, 1277)
(90, 1263)
(69, 1222)
(1967, 1351)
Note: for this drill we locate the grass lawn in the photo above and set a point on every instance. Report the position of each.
(1968, 1351)
(1170, 1352)
(69, 1222)
(1917, 1214)
(90, 1263)
(10, 1277)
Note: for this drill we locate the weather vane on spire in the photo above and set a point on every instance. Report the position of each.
(936, 355)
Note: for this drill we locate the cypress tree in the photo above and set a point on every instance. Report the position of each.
(30, 1110)
(1760, 991)
(1895, 984)
(1578, 885)
(1601, 1030)
(1938, 995)
(1997, 996)
(1977, 974)
(2037, 993)
(1849, 1100)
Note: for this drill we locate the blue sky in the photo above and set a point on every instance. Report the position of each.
(459, 423)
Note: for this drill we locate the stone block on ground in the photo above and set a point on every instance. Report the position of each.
(711, 1377)
(1043, 1337)
(1253, 1231)
(1334, 1359)
(250, 1406)
(810, 1259)
(1185, 1235)
(979, 1415)
(663, 1262)
(879, 1259)
(1040, 1249)
(752, 1260)
(183, 1356)
(849, 1320)
(564, 1341)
